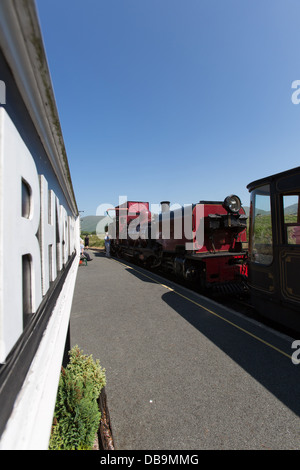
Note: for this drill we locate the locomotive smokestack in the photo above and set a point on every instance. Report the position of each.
(165, 206)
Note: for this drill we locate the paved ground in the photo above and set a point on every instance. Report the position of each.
(183, 372)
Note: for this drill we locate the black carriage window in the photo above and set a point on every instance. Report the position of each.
(262, 239)
(291, 212)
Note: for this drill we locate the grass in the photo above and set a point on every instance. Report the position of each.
(95, 241)
(263, 229)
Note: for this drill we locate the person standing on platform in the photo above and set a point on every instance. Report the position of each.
(86, 242)
(107, 244)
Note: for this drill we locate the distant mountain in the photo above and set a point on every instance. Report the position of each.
(291, 209)
(287, 210)
(90, 222)
(258, 211)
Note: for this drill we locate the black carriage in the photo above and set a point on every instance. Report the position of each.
(274, 247)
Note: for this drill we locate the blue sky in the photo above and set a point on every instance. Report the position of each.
(176, 100)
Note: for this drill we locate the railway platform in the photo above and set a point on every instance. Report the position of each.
(183, 372)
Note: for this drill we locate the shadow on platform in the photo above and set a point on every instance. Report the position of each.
(270, 368)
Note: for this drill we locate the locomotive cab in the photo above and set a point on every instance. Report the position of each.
(274, 247)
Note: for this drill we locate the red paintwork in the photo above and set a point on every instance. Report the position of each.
(222, 238)
(128, 212)
(218, 261)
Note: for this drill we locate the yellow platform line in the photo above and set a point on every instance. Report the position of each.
(210, 311)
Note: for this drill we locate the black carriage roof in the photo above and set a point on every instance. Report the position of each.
(290, 179)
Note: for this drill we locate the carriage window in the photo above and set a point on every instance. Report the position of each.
(291, 211)
(261, 226)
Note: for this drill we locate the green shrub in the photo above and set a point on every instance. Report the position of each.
(76, 415)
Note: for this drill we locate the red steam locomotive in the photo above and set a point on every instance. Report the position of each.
(203, 243)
